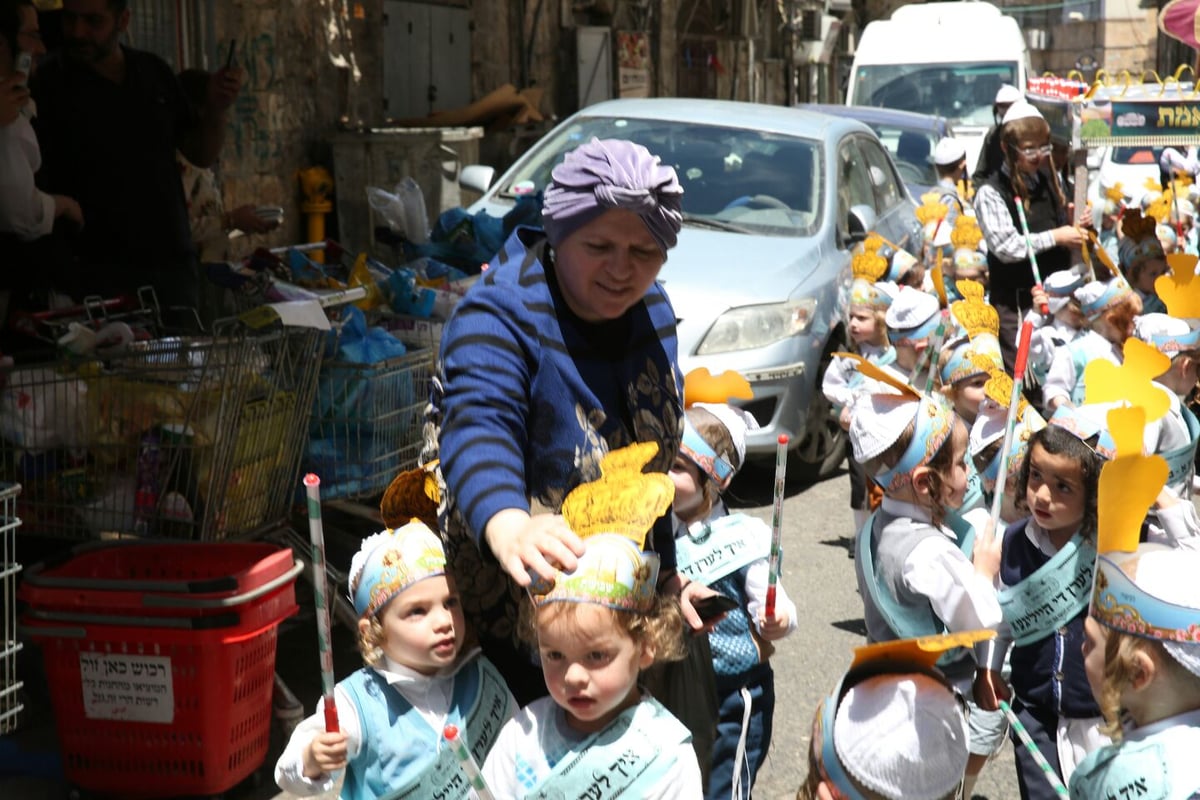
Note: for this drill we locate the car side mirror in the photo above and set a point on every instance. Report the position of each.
(859, 222)
(476, 177)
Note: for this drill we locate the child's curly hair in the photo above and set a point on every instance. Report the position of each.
(1120, 669)
(661, 626)
(371, 638)
(939, 465)
(1058, 441)
(1120, 314)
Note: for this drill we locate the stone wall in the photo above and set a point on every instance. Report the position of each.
(1116, 44)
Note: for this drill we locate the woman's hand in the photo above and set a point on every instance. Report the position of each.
(326, 753)
(1068, 236)
(541, 544)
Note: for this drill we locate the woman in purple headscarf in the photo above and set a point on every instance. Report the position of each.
(565, 349)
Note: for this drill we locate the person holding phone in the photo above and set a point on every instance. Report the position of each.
(27, 215)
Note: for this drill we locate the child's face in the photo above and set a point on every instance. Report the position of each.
(966, 395)
(1095, 636)
(689, 487)
(909, 351)
(590, 664)
(1148, 273)
(1055, 492)
(423, 625)
(862, 325)
(955, 486)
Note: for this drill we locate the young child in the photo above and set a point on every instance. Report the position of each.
(969, 360)
(1064, 324)
(892, 728)
(1179, 429)
(914, 574)
(1142, 657)
(416, 680)
(842, 382)
(1045, 576)
(1110, 308)
(1143, 258)
(595, 629)
(987, 437)
(729, 554)
(911, 320)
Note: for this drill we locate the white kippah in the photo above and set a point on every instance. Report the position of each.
(988, 426)
(1007, 93)
(1147, 326)
(737, 421)
(1059, 286)
(1090, 292)
(877, 423)
(902, 736)
(910, 309)
(948, 151)
(1021, 110)
(1170, 575)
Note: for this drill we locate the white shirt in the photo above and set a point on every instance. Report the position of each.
(430, 696)
(541, 727)
(1061, 379)
(24, 209)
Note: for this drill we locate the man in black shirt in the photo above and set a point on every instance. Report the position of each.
(110, 119)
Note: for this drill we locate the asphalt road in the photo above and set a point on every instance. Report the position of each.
(819, 575)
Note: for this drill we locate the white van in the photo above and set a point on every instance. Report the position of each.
(945, 59)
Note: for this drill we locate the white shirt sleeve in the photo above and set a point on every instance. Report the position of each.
(683, 781)
(289, 769)
(757, 578)
(962, 598)
(1178, 526)
(835, 384)
(500, 768)
(25, 211)
(1060, 380)
(1000, 232)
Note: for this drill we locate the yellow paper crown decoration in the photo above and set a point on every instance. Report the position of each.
(999, 388)
(924, 650)
(1151, 184)
(869, 266)
(1116, 193)
(412, 495)
(967, 233)
(972, 312)
(931, 209)
(1180, 290)
(613, 514)
(623, 500)
(1132, 381)
(701, 386)
(1128, 483)
(871, 244)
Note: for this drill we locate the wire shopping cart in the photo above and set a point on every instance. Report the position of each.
(10, 686)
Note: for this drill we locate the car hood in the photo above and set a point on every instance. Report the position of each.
(709, 272)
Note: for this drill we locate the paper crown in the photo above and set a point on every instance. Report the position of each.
(713, 394)
(894, 695)
(901, 264)
(1098, 296)
(965, 358)
(869, 266)
(877, 296)
(701, 386)
(391, 561)
(932, 209)
(1132, 381)
(973, 313)
(1180, 290)
(989, 427)
(1086, 423)
(967, 233)
(1116, 192)
(933, 421)
(1168, 335)
(613, 514)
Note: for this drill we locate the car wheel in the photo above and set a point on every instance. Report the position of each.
(822, 447)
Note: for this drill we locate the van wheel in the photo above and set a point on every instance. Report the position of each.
(822, 447)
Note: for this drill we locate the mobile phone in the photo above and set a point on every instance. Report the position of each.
(23, 65)
(714, 606)
(232, 51)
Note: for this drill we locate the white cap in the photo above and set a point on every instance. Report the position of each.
(877, 423)
(902, 736)
(1021, 110)
(948, 151)
(736, 420)
(988, 426)
(1059, 287)
(911, 308)
(1170, 575)
(1007, 94)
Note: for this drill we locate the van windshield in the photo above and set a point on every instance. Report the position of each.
(963, 93)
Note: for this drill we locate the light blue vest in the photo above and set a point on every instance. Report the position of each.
(400, 756)
(1182, 460)
(1083, 350)
(1160, 767)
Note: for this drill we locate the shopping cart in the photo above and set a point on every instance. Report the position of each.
(190, 437)
(10, 685)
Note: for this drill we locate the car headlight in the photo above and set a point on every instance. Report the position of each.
(750, 327)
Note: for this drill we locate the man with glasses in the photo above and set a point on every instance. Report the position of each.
(111, 118)
(1027, 173)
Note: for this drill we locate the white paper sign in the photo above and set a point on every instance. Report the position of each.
(127, 687)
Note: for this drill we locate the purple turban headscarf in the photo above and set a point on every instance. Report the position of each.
(612, 173)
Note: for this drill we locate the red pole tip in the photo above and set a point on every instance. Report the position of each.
(783, 438)
(1016, 199)
(311, 479)
(450, 732)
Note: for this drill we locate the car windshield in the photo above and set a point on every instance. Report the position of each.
(733, 179)
(962, 93)
(1147, 156)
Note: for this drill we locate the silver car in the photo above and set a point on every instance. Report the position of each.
(774, 198)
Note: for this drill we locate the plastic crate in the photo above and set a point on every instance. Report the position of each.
(178, 578)
(146, 708)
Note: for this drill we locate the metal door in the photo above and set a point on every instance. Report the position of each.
(594, 49)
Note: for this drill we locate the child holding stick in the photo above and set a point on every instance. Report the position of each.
(417, 679)
(728, 553)
(595, 629)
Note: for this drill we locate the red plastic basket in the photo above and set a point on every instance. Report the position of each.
(145, 709)
(158, 579)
